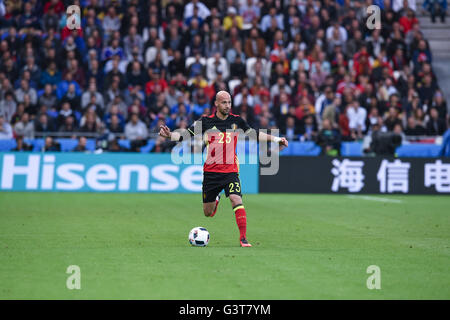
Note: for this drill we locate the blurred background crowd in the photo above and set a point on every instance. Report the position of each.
(312, 69)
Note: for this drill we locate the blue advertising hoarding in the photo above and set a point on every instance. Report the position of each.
(107, 172)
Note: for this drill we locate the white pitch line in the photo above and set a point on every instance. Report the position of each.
(379, 199)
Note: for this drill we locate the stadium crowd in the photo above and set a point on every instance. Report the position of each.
(311, 68)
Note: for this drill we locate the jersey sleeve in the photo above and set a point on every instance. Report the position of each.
(196, 127)
(244, 125)
(247, 129)
(192, 130)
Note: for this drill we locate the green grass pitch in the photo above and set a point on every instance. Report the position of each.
(135, 246)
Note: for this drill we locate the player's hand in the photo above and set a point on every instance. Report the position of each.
(164, 131)
(283, 142)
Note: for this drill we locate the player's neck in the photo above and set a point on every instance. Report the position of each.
(221, 116)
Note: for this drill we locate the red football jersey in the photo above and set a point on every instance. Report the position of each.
(220, 137)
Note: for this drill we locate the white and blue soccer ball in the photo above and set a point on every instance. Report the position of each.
(199, 237)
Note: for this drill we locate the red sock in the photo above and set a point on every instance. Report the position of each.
(215, 209)
(241, 220)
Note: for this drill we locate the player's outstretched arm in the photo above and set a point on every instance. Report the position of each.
(267, 137)
(165, 132)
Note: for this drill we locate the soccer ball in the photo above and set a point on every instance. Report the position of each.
(199, 237)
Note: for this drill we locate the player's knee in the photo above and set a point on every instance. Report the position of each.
(208, 212)
(235, 200)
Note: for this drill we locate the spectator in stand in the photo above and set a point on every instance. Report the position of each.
(115, 127)
(195, 17)
(135, 75)
(331, 113)
(31, 72)
(81, 146)
(278, 54)
(6, 131)
(133, 41)
(56, 5)
(412, 129)
(272, 17)
(113, 93)
(64, 86)
(95, 106)
(436, 7)
(96, 74)
(435, 125)
(68, 126)
(114, 69)
(419, 115)
(90, 122)
(25, 127)
(408, 21)
(44, 125)
(398, 131)
(421, 55)
(344, 125)
(111, 22)
(65, 112)
(245, 93)
(249, 11)
(255, 46)
(136, 132)
(216, 65)
(308, 129)
(357, 120)
(92, 91)
(177, 64)
(20, 110)
(28, 20)
(51, 145)
(427, 91)
(441, 105)
(77, 72)
(155, 80)
(392, 119)
(232, 19)
(48, 98)
(291, 130)
(203, 11)
(72, 97)
(196, 67)
(8, 106)
(329, 139)
(114, 111)
(21, 145)
(201, 104)
(152, 52)
(26, 89)
(304, 109)
(214, 45)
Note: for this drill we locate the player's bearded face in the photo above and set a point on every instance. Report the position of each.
(224, 106)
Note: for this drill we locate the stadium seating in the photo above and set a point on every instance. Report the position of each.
(126, 144)
(37, 144)
(296, 148)
(7, 144)
(67, 145)
(418, 150)
(148, 147)
(351, 149)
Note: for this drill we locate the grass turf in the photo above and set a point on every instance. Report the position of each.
(135, 246)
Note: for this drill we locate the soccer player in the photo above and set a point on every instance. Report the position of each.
(221, 167)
